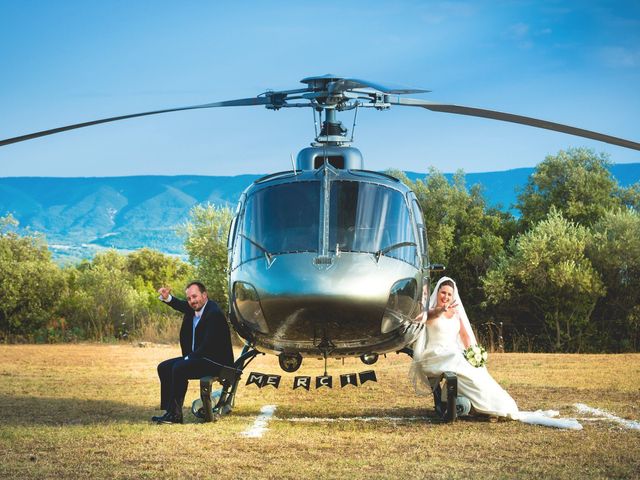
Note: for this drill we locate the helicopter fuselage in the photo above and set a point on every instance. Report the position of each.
(327, 262)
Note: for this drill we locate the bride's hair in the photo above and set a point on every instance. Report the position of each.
(448, 283)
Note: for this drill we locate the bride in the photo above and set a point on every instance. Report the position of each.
(439, 348)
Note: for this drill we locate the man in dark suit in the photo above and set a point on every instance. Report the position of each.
(206, 346)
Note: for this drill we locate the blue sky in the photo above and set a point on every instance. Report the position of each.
(63, 62)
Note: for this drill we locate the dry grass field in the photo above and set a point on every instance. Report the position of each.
(82, 411)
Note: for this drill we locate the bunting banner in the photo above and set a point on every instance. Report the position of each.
(356, 379)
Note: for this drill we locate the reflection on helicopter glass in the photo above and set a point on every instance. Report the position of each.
(282, 219)
(366, 217)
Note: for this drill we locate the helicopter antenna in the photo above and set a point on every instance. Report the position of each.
(293, 165)
(315, 121)
(355, 116)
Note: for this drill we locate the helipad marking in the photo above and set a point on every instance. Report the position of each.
(260, 424)
(352, 419)
(582, 408)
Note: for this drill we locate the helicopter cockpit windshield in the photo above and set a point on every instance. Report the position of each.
(363, 217)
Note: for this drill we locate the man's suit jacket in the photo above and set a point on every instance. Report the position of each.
(213, 340)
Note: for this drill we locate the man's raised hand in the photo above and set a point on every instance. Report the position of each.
(164, 292)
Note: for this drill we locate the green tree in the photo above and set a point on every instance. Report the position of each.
(546, 275)
(440, 202)
(206, 244)
(101, 297)
(578, 183)
(614, 250)
(156, 268)
(30, 283)
(112, 289)
(464, 233)
(149, 270)
(630, 196)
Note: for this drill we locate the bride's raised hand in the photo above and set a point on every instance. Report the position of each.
(450, 309)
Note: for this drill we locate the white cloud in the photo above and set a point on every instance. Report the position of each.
(442, 12)
(520, 34)
(619, 57)
(518, 31)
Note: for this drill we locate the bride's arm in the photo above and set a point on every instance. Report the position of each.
(464, 335)
(435, 312)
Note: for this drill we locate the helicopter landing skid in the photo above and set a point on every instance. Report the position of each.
(229, 377)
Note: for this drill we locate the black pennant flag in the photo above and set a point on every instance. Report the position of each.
(368, 375)
(257, 379)
(324, 381)
(348, 379)
(304, 382)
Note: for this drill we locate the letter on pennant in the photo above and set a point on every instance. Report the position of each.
(348, 379)
(273, 380)
(304, 382)
(324, 381)
(257, 379)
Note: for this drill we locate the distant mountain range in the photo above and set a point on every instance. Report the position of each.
(79, 216)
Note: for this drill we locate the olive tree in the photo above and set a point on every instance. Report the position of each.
(578, 183)
(464, 233)
(30, 283)
(102, 297)
(206, 244)
(546, 275)
(614, 250)
(149, 270)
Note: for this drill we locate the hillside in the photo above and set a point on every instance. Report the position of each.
(79, 216)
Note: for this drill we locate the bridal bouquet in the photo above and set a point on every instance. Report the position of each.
(476, 355)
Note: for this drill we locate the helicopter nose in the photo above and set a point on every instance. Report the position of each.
(291, 299)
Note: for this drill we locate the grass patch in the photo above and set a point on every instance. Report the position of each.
(69, 411)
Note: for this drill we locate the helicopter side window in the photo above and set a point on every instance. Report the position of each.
(417, 213)
(230, 240)
(366, 217)
(232, 232)
(281, 219)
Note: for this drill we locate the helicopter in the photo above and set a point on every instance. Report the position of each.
(329, 259)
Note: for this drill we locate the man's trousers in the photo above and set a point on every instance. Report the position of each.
(175, 374)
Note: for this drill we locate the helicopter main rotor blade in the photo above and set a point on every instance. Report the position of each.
(347, 84)
(266, 100)
(510, 117)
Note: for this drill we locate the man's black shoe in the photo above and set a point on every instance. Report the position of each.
(171, 418)
(157, 418)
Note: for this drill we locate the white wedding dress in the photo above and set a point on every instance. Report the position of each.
(444, 355)
(439, 349)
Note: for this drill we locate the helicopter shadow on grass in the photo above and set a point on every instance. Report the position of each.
(41, 411)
